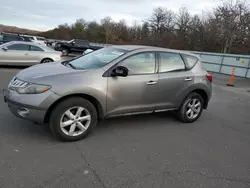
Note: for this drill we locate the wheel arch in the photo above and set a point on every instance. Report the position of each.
(46, 58)
(203, 94)
(90, 98)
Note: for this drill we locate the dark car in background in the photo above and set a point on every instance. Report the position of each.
(73, 46)
(8, 37)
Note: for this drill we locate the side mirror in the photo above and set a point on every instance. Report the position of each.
(120, 71)
(5, 48)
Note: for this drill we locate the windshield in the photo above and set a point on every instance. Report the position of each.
(97, 59)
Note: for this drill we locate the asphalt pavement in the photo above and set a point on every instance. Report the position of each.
(145, 151)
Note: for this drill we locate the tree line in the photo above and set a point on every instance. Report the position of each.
(226, 29)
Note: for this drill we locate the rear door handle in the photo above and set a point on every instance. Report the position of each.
(151, 83)
(26, 54)
(188, 79)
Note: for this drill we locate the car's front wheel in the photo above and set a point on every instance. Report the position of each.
(73, 119)
(191, 108)
(47, 60)
(65, 52)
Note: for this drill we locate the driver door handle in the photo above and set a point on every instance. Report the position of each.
(26, 54)
(151, 82)
(188, 79)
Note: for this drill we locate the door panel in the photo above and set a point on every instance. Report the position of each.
(171, 88)
(131, 94)
(173, 80)
(34, 57)
(136, 92)
(12, 57)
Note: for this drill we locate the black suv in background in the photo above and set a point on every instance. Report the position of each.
(8, 37)
(74, 46)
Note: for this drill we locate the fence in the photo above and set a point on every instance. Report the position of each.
(224, 63)
(221, 63)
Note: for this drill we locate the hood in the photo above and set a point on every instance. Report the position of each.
(42, 71)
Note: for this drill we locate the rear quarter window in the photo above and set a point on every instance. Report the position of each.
(190, 61)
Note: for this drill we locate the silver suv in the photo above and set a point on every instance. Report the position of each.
(71, 96)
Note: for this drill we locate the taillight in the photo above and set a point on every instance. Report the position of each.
(209, 77)
(44, 42)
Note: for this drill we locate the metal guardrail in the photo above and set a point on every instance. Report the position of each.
(224, 63)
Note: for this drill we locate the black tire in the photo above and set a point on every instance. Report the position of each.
(181, 113)
(58, 111)
(47, 60)
(65, 52)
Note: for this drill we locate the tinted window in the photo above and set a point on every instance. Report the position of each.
(12, 38)
(21, 47)
(35, 48)
(143, 63)
(190, 61)
(171, 62)
(82, 42)
(1, 37)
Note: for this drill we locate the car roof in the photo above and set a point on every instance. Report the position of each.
(29, 43)
(154, 48)
(23, 42)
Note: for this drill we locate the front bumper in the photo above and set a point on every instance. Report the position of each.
(33, 115)
(35, 106)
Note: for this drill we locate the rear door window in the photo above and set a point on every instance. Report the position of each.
(35, 48)
(170, 62)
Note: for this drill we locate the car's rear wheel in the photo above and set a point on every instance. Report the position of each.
(65, 52)
(73, 119)
(191, 108)
(47, 60)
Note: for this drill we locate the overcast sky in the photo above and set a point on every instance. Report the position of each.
(47, 14)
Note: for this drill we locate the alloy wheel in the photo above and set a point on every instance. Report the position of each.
(193, 108)
(47, 61)
(75, 121)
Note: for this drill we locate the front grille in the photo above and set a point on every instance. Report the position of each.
(15, 82)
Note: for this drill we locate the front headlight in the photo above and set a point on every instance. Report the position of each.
(33, 89)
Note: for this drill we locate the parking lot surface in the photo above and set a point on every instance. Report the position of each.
(147, 151)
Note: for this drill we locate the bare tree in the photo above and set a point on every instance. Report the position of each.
(228, 17)
(107, 22)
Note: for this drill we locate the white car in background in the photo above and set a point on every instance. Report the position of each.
(37, 40)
